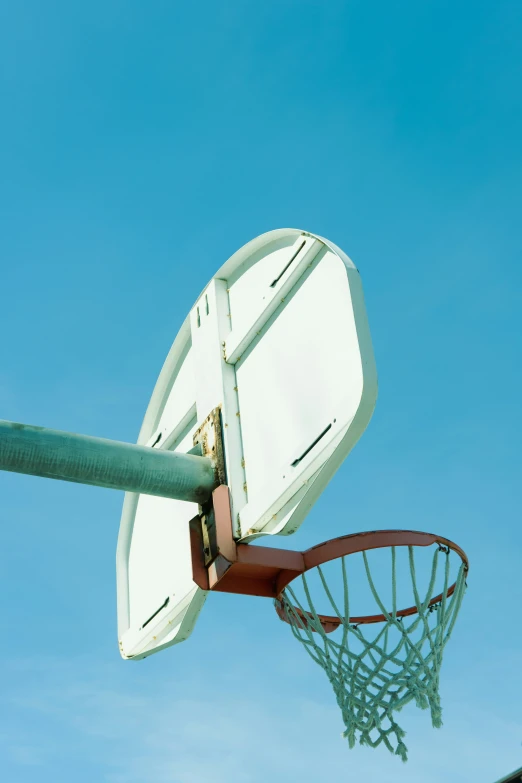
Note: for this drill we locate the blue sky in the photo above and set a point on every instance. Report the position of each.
(141, 144)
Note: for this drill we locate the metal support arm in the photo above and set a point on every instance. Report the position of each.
(105, 463)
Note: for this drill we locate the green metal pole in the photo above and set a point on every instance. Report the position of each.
(105, 463)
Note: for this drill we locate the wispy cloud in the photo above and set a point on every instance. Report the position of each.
(231, 734)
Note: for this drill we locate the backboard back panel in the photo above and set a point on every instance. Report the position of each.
(279, 341)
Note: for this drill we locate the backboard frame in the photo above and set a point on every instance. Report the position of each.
(219, 350)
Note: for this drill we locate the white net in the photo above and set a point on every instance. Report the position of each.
(376, 669)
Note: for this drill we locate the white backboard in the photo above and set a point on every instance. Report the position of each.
(279, 340)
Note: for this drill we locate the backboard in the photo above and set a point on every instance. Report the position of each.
(278, 342)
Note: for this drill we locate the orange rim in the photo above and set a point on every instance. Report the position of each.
(351, 544)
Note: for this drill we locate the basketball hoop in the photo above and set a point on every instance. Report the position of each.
(375, 677)
(372, 677)
(269, 384)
